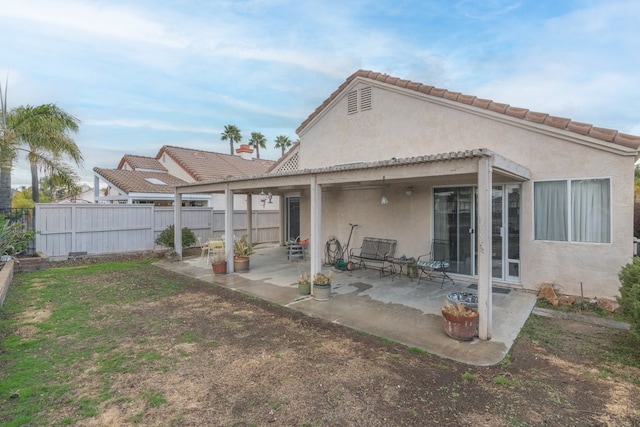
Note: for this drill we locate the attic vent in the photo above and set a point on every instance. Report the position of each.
(155, 181)
(199, 155)
(290, 165)
(352, 102)
(364, 95)
(365, 98)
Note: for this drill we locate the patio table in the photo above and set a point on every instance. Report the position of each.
(397, 265)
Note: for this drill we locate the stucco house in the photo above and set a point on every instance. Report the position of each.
(522, 197)
(151, 180)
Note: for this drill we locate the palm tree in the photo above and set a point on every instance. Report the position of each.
(6, 160)
(283, 142)
(231, 133)
(257, 141)
(43, 133)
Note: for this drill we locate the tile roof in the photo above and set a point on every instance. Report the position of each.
(608, 135)
(136, 181)
(208, 165)
(141, 162)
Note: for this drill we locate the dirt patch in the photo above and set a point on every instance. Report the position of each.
(205, 355)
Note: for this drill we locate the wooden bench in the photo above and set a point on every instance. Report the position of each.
(373, 252)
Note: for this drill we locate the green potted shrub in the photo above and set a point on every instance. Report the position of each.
(304, 284)
(241, 252)
(322, 286)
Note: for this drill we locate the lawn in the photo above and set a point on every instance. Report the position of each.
(127, 343)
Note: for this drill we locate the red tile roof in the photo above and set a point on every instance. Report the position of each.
(608, 135)
(136, 181)
(208, 165)
(141, 162)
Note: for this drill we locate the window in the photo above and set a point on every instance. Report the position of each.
(576, 210)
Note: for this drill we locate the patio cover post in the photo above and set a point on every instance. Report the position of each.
(249, 219)
(484, 248)
(177, 224)
(316, 227)
(228, 227)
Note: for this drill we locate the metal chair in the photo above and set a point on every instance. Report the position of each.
(436, 262)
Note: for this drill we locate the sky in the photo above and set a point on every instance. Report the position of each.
(146, 73)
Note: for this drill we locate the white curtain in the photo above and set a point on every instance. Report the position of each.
(591, 211)
(550, 215)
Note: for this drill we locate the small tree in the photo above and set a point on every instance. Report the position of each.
(629, 298)
(166, 237)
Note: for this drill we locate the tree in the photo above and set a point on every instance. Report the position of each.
(41, 132)
(231, 133)
(283, 142)
(257, 141)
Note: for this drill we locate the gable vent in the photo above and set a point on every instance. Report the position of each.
(352, 102)
(365, 98)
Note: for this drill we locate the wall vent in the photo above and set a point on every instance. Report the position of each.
(352, 102)
(365, 98)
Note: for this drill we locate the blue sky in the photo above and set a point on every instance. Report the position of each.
(142, 74)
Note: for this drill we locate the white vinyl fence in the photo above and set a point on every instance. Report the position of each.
(63, 229)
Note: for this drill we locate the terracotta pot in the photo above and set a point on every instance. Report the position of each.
(219, 267)
(462, 328)
(321, 291)
(241, 264)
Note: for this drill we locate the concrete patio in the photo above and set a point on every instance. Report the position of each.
(400, 309)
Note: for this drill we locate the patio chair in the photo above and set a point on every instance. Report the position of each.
(436, 263)
(296, 247)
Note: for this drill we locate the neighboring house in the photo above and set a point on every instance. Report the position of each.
(141, 179)
(522, 197)
(86, 195)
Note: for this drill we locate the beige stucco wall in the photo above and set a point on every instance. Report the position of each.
(404, 124)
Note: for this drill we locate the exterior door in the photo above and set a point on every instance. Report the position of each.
(455, 221)
(292, 218)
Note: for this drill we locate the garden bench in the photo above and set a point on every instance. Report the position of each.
(373, 252)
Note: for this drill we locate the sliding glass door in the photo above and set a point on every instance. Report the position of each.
(455, 221)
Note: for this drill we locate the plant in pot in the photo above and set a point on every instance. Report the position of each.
(322, 286)
(219, 263)
(241, 251)
(460, 322)
(304, 284)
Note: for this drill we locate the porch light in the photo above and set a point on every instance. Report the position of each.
(383, 199)
(269, 197)
(408, 191)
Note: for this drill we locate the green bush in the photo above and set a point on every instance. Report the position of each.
(629, 298)
(13, 239)
(166, 237)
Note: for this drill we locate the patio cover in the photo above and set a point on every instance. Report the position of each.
(481, 165)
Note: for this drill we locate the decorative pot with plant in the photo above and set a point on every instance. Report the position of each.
(219, 264)
(322, 286)
(304, 284)
(460, 322)
(241, 251)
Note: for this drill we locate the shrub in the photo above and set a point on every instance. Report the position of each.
(629, 298)
(13, 239)
(166, 237)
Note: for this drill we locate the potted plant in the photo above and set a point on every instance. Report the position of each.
(322, 286)
(241, 251)
(219, 263)
(304, 284)
(460, 322)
